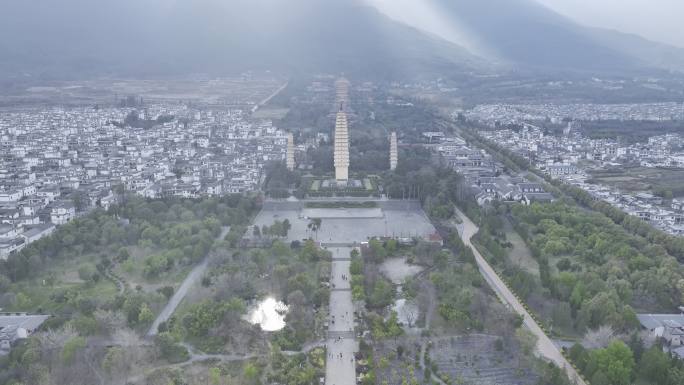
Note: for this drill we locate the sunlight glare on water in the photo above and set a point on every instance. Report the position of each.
(269, 314)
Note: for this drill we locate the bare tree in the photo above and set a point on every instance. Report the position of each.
(109, 321)
(117, 365)
(597, 339)
(53, 339)
(409, 312)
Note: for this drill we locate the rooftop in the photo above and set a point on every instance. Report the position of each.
(652, 321)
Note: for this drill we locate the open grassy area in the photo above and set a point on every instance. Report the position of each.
(60, 279)
(271, 113)
(519, 253)
(39, 295)
(642, 179)
(132, 271)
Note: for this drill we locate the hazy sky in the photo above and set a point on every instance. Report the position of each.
(658, 20)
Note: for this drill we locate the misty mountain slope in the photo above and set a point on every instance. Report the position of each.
(528, 34)
(646, 52)
(161, 37)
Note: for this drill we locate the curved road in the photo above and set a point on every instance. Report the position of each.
(545, 346)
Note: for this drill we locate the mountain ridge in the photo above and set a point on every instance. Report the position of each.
(211, 36)
(528, 34)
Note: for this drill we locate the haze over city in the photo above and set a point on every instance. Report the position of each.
(341, 192)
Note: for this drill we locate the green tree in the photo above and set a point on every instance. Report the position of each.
(145, 316)
(22, 301)
(654, 366)
(616, 362)
(214, 376)
(356, 266)
(251, 373)
(4, 283)
(377, 250)
(286, 227)
(123, 255)
(86, 272)
(166, 291)
(71, 347)
(169, 349)
(115, 363)
(381, 295)
(527, 340)
(315, 225)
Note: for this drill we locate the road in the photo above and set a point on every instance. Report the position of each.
(545, 347)
(271, 96)
(340, 365)
(189, 281)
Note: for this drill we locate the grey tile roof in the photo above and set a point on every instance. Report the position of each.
(652, 321)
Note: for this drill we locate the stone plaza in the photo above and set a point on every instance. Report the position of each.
(390, 218)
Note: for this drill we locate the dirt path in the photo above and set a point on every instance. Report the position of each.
(120, 284)
(545, 347)
(190, 281)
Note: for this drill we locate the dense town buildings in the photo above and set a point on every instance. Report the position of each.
(57, 163)
(556, 113)
(572, 157)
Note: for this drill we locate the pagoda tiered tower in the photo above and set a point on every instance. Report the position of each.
(394, 152)
(290, 161)
(341, 155)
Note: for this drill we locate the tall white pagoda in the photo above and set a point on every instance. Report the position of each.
(394, 152)
(290, 161)
(341, 155)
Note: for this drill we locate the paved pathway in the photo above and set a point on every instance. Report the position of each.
(545, 347)
(340, 367)
(191, 280)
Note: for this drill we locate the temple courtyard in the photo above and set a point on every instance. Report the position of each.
(398, 219)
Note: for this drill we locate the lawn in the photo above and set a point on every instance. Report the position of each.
(39, 294)
(132, 272)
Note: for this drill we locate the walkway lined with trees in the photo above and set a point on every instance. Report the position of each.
(545, 347)
(340, 368)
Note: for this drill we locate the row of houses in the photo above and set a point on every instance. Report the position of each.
(568, 157)
(486, 177)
